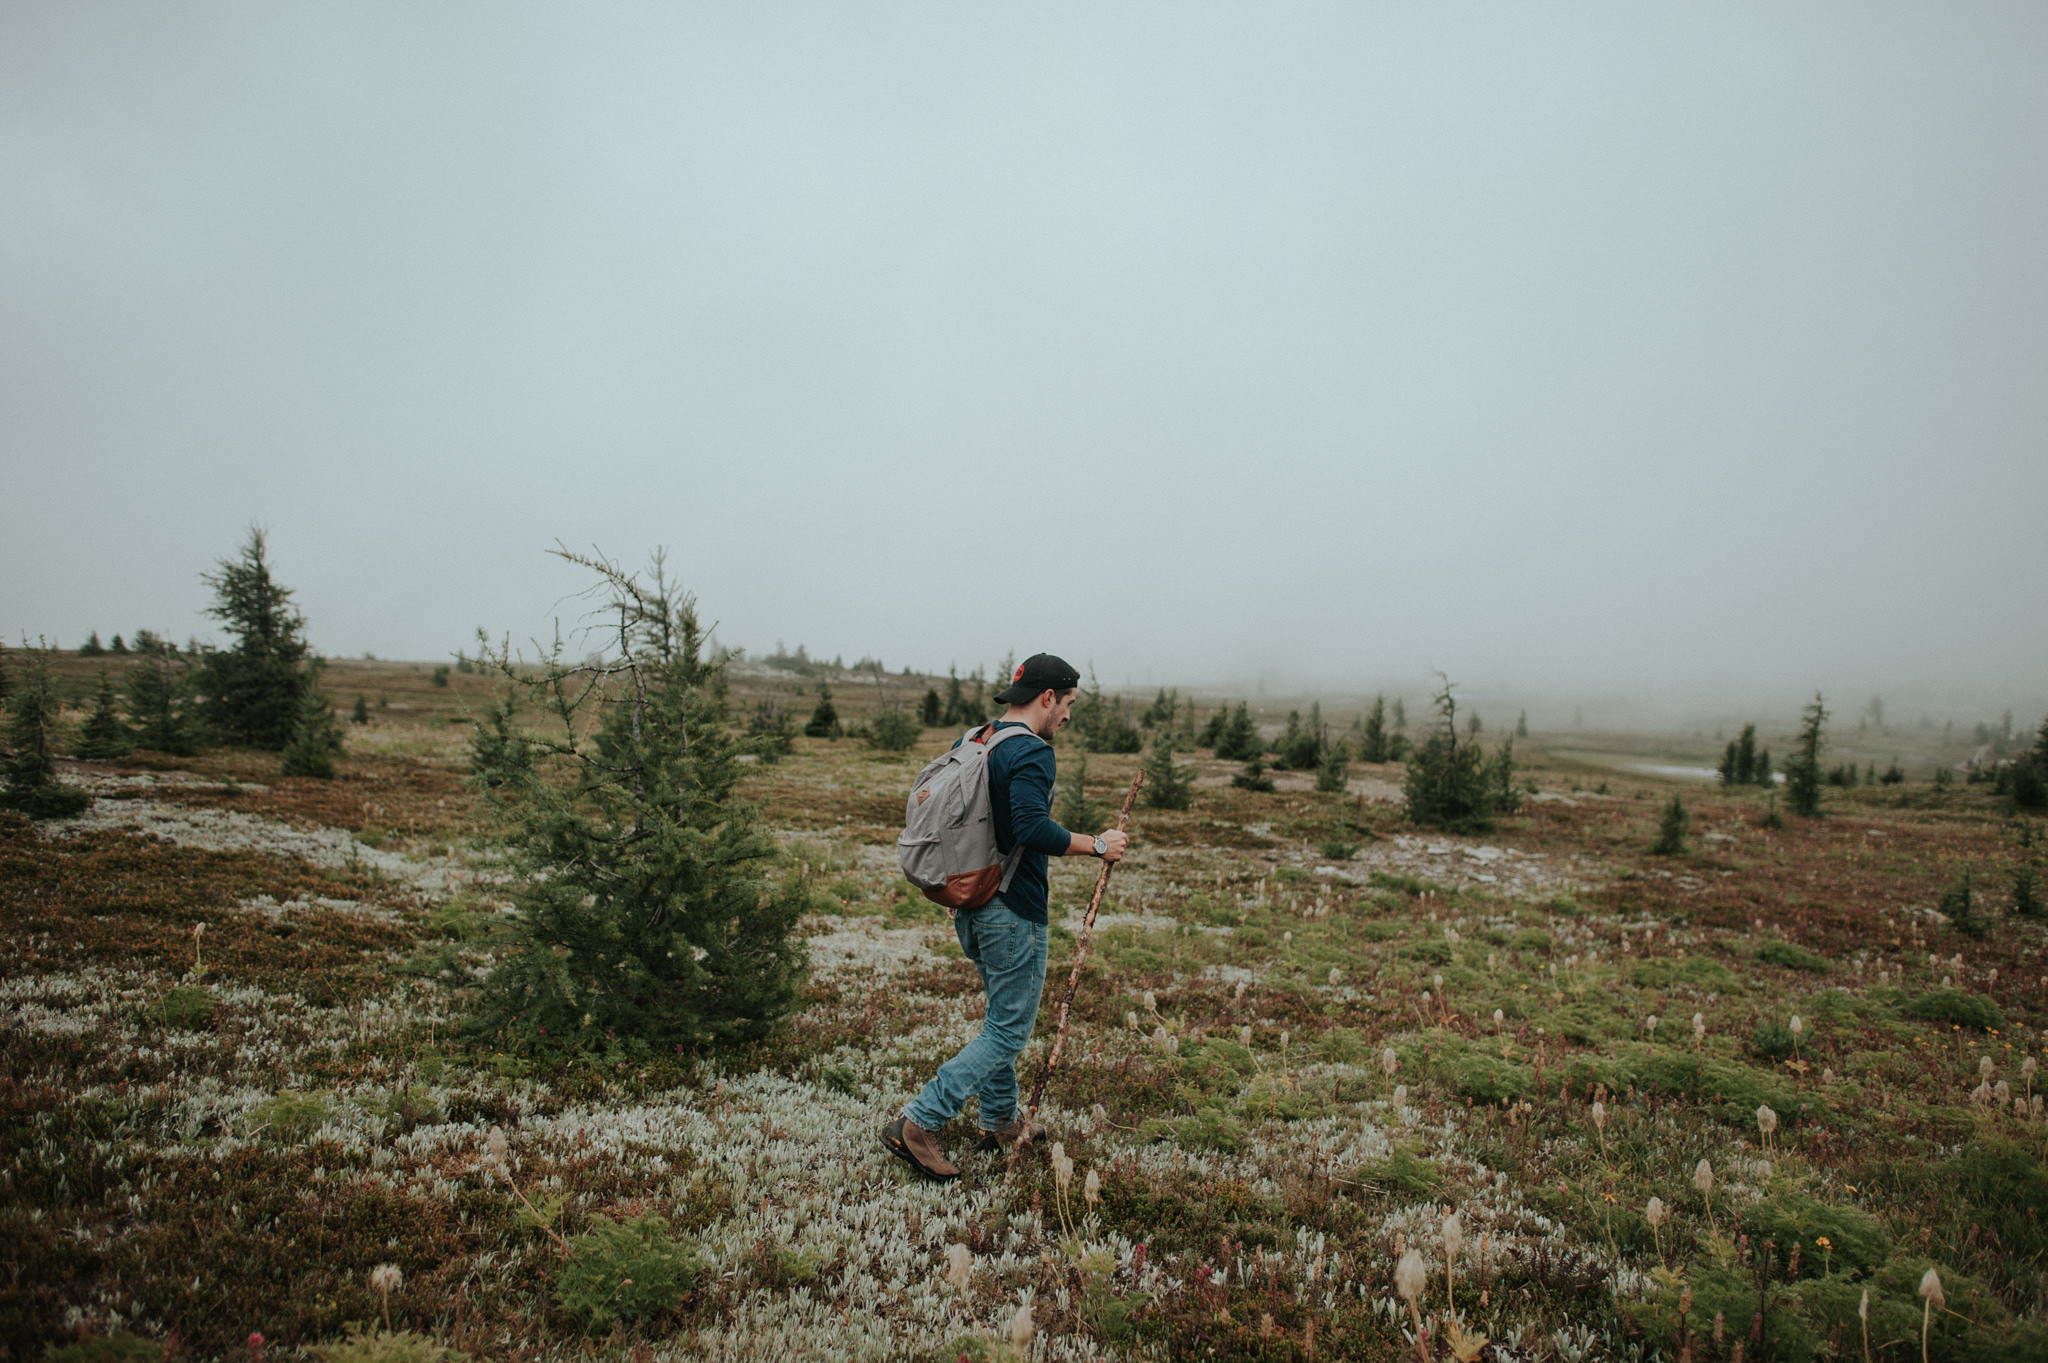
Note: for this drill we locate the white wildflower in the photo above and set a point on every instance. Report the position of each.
(1409, 1275)
(1021, 1328)
(959, 1265)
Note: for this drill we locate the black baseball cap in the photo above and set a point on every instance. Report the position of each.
(1037, 674)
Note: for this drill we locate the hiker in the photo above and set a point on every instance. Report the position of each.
(1006, 936)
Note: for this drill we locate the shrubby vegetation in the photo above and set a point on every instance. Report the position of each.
(645, 919)
(1454, 785)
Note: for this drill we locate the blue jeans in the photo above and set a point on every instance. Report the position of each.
(1010, 954)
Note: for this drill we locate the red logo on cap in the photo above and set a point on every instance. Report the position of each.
(1018, 675)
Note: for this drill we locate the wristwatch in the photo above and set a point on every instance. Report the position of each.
(1101, 847)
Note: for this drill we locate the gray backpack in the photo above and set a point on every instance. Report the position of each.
(948, 848)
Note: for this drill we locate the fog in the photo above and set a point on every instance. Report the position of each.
(1650, 351)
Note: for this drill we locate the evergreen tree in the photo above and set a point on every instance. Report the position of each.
(1253, 777)
(824, 720)
(1803, 773)
(1333, 773)
(1212, 731)
(1296, 747)
(1239, 740)
(159, 704)
(1959, 906)
(361, 713)
(1400, 715)
(1161, 711)
(31, 767)
(117, 647)
(1522, 725)
(1166, 785)
(644, 920)
(1453, 785)
(956, 713)
(1671, 832)
(930, 710)
(1100, 723)
(250, 691)
(1076, 812)
(1373, 739)
(104, 735)
(91, 648)
(316, 738)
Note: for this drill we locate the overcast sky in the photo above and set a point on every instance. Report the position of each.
(1693, 346)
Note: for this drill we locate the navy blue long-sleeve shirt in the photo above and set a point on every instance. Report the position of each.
(1020, 779)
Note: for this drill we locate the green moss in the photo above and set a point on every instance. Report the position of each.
(288, 1117)
(625, 1269)
(1791, 957)
(1856, 1241)
(186, 1007)
(1210, 1128)
(1697, 971)
(1953, 1005)
(1403, 1173)
(1772, 1041)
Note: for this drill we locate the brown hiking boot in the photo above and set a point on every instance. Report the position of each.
(1004, 1137)
(918, 1148)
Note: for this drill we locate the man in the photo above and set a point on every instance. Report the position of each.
(1005, 938)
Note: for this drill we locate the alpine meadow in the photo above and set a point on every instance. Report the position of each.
(549, 1014)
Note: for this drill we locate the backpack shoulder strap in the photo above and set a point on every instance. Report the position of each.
(1014, 731)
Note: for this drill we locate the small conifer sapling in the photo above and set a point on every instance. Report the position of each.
(1671, 832)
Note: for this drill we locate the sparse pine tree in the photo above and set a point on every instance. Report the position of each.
(824, 720)
(1076, 811)
(1729, 765)
(31, 768)
(771, 734)
(1761, 774)
(117, 647)
(1166, 785)
(1453, 785)
(1253, 777)
(159, 704)
(250, 691)
(1240, 737)
(1400, 715)
(1212, 731)
(1373, 737)
(930, 709)
(1671, 832)
(361, 713)
(1746, 771)
(91, 648)
(1333, 773)
(1522, 725)
(1959, 906)
(1803, 773)
(1295, 748)
(1473, 727)
(2026, 893)
(316, 738)
(955, 713)
(1161, 710)
(104, 735)
(644, 920)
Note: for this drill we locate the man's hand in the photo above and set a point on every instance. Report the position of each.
(1117, 841)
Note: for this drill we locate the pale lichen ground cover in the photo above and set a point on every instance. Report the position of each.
(1261, 1170)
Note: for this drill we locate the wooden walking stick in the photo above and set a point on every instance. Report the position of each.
(1059, 1038)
